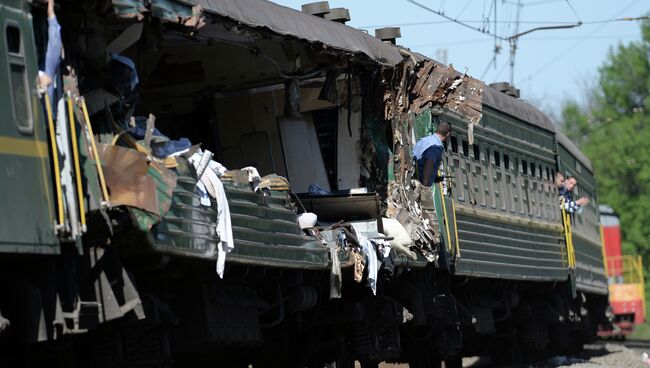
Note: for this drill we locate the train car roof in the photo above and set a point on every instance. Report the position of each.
(289, 22)
(517, 108)
(565, 142)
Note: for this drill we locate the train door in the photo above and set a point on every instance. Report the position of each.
(26, 194)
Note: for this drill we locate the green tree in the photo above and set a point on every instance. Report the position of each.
(614, 132)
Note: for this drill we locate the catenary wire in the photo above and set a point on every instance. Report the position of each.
(565, 51)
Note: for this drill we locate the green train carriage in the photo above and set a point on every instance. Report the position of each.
(585, 226)
(508, 257)
(499, 216)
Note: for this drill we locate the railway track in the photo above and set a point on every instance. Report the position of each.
(634, 343)
(597, 350)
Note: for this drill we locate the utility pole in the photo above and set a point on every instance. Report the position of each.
(513, 45)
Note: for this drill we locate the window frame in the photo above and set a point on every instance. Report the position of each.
(18, 59)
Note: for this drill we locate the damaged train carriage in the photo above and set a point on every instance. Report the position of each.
(521, 287)
(198, 111)
(153, 102)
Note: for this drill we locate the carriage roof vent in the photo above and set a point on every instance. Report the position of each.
(318, 8)
(340, 15)
(506, 88)
(388, 34)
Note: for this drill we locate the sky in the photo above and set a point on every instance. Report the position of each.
(551, 66)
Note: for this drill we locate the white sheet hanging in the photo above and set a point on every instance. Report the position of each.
(214, 186)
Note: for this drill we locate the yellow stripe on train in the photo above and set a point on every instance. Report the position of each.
(22, 147)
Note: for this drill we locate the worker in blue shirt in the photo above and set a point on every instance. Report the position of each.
(49, 71)
(427, 152)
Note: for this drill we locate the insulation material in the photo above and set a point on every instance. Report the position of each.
(302, 154)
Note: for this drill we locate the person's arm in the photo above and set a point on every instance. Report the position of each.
(583, 201)
(54, 44)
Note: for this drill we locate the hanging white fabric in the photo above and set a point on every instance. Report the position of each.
(210, 179)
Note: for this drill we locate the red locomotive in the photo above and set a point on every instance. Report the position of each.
(625, 278)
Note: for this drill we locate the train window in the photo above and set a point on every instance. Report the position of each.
(506, 162)
(454, 144)
(18, 79)
(497, 159)
(13, 40)
(524, 167)
(532, 169)
(465, 148)
(477, 152)
(578, 168)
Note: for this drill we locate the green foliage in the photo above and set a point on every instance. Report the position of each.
(614, 132)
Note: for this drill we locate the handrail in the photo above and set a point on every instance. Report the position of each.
(444, 212)
(100, 171)
(642, 283)
(566, 220)
(75, 156)
(453, 212)
(602, 248)
(625, 269)
(55, 160)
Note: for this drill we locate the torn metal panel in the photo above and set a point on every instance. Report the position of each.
(413, 88)
(135, 182)
(427, 84)
(125, 171)
(408, 201)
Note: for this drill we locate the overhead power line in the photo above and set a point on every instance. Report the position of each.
(567, 50)
(425, 23)
(466, 25)
(483, 40)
